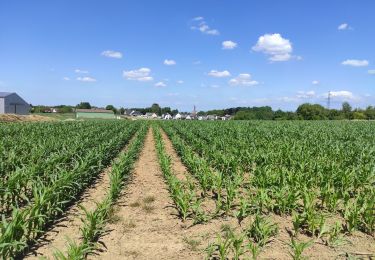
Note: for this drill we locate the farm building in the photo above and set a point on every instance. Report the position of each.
(11, 103)
(95, 113)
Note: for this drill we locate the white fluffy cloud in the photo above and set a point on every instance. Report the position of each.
(112, 54)
(219, 74)
(274, 45)
(356, 63)
(198, 18)
(315, 82)
(229, 45)
(180, 81)
(371, 72)
(142, 74)
(343, 26)
(160, 84)
(81, 71)
(201, 25)
(66, 78)
(169, 62)
(308, 94)
(86, 79)
(243, 79)
(342, 94)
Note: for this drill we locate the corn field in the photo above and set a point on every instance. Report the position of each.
(45, 167)
(319, 174)
(314, 181)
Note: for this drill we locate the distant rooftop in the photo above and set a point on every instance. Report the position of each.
(4, 94)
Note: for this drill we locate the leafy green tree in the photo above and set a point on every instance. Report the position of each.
(359, 115)
(347, 110)
(166, 110)
(244, 115)
(370, 112)
(111, 107)
(122, 111)
(84, 105)
(64, 109)
(155, 108)
(311, 112)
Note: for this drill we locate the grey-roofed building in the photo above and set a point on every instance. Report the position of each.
(11, 103)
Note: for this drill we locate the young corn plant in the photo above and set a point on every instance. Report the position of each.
(254, 249)
(297, 248)
(261, 230)
(352, 216)
(244, 210)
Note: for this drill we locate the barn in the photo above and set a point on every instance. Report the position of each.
(11, 103)
(95, 113)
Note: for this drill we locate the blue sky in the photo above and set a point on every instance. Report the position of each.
(212, 54)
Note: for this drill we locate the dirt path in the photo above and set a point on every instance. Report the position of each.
(69, 226)
(146, 226)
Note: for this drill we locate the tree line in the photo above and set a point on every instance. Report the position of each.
(305, 111)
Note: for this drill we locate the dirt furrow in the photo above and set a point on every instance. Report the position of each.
(146, 225)
(178, 168)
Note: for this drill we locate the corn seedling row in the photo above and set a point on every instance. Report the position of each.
(49, 201)
(94, 221)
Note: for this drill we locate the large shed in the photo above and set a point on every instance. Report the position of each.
(11, 103)
(95, 113)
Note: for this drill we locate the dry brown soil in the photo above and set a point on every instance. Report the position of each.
(147, 226)
(24, 118)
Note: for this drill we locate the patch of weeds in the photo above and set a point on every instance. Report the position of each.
(148, 199)
(135, 204)
(148, 208)
(113, 217)
(225, 228)
(128, 224)
(132, 253)
(192, 243)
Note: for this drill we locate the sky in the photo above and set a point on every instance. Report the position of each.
(209, 53)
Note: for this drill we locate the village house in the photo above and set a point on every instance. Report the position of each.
(166, 116)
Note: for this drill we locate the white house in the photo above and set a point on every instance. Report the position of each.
(135, 113)
(178, 116)
(167, 116)
(11, 103)
(151, 115)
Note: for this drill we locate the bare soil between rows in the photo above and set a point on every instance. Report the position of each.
(146, 226)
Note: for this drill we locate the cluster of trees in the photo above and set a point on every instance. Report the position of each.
(305, 112)
(318, 112)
